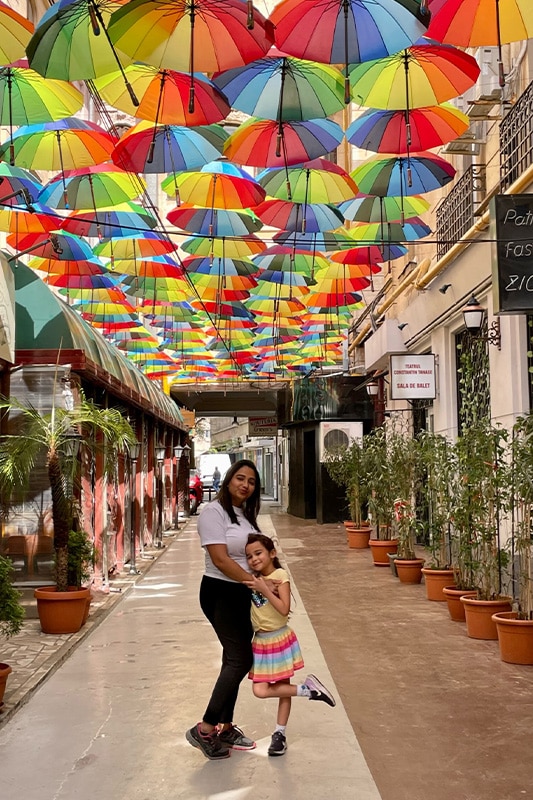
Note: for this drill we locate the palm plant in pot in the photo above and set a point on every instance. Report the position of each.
(437, 468)
(346, 466)
(515, 628)
(11, 614)
(55, 437)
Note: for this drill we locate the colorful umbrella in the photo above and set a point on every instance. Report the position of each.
(312, 242)
(474, 23)
(228, 267)
(371, 208)
(346, 31)
(399, 177)
(375, 233)
(64, 144)
(205, 35)
(92, 187)
(421, 75)
(164, 96)
(316, 181)
(368, 255)
(27, 98)
(281, 87)
(285, 259)
(214, 189)
(58, 266)
(399, 133)
(156, 267)
(149, 148)
(121, 220)
(223, 247)
(15, 34)
(21, 220)
(304, 217)
(71, 41)
(54, 246)
(17, 184)
(214, 221)
(146, 243)
(265, 143)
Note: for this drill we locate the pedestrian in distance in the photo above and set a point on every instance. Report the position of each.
(216, 479)
(224, 526)
(275, 647)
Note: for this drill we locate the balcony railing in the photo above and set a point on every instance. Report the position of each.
(455, 215)
(516, 139)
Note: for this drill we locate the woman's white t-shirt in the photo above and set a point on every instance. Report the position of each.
(216, 527)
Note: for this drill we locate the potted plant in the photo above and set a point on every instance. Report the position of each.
(515, 628)
(346, 466)
(404, 466)
(481, 501)
(437, 465)
(55, 436)
(381, 495)
(11, 614)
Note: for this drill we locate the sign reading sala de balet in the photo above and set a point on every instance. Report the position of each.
(412, 377)
(512, 253)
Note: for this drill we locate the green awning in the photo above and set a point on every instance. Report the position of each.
(43, 322)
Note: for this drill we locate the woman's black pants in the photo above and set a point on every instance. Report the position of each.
(227, 607)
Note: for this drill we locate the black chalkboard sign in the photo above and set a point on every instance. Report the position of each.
(512, 253)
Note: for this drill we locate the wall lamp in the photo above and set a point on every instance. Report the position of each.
(402, 325)
(180, 451)
(444, 288)
(372, 388)
(235, 420)
(474, 314)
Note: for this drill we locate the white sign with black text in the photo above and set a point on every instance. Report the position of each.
(412, 377)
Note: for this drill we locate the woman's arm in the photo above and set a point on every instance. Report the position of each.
(222, 560)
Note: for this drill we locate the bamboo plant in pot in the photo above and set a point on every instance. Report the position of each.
(437, 465)
(11, 614)
(482, 499)
(381, 496)
(515, 628)
(404, 465)
(346, 466)
(55, 436)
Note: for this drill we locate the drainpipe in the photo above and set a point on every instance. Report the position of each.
(422, 267)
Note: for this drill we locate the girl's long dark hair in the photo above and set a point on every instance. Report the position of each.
(267, 543)
(251, 506)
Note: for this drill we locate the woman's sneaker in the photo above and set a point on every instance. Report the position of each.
(208, 743)
(319, 691)
(278, 744)
(233, 737)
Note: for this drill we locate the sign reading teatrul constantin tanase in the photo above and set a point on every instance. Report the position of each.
(512, 253)
(412, 377)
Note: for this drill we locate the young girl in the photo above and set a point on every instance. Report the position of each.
(275, 646)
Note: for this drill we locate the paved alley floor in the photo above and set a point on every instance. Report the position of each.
(111, 720)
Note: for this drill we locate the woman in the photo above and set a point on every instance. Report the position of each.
(224, 526)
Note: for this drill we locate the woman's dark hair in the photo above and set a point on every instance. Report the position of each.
(267, 543)
(251, 506)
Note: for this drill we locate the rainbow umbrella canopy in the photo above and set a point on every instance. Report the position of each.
(164, 95)
(205, 35)
(218, 184)
(92, 187)
(399, 177)
(15, 34)
(347, 31)
(474, 23)
(156, 149)
(304, 217)
(315, 181)
(120, 220)
(214, 221)
(266, 143)
(283, 88)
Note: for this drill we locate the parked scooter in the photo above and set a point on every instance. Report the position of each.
(196, 491)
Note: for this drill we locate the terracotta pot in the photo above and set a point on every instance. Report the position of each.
(381, 548)
(409, 569)
(478, 614)
(358, 538)
(61, 612)
(515, 637)
(5, 669)
(436, 580)
(453, 595)
(87, 609)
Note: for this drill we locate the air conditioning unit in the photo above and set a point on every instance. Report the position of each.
(333, 435)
